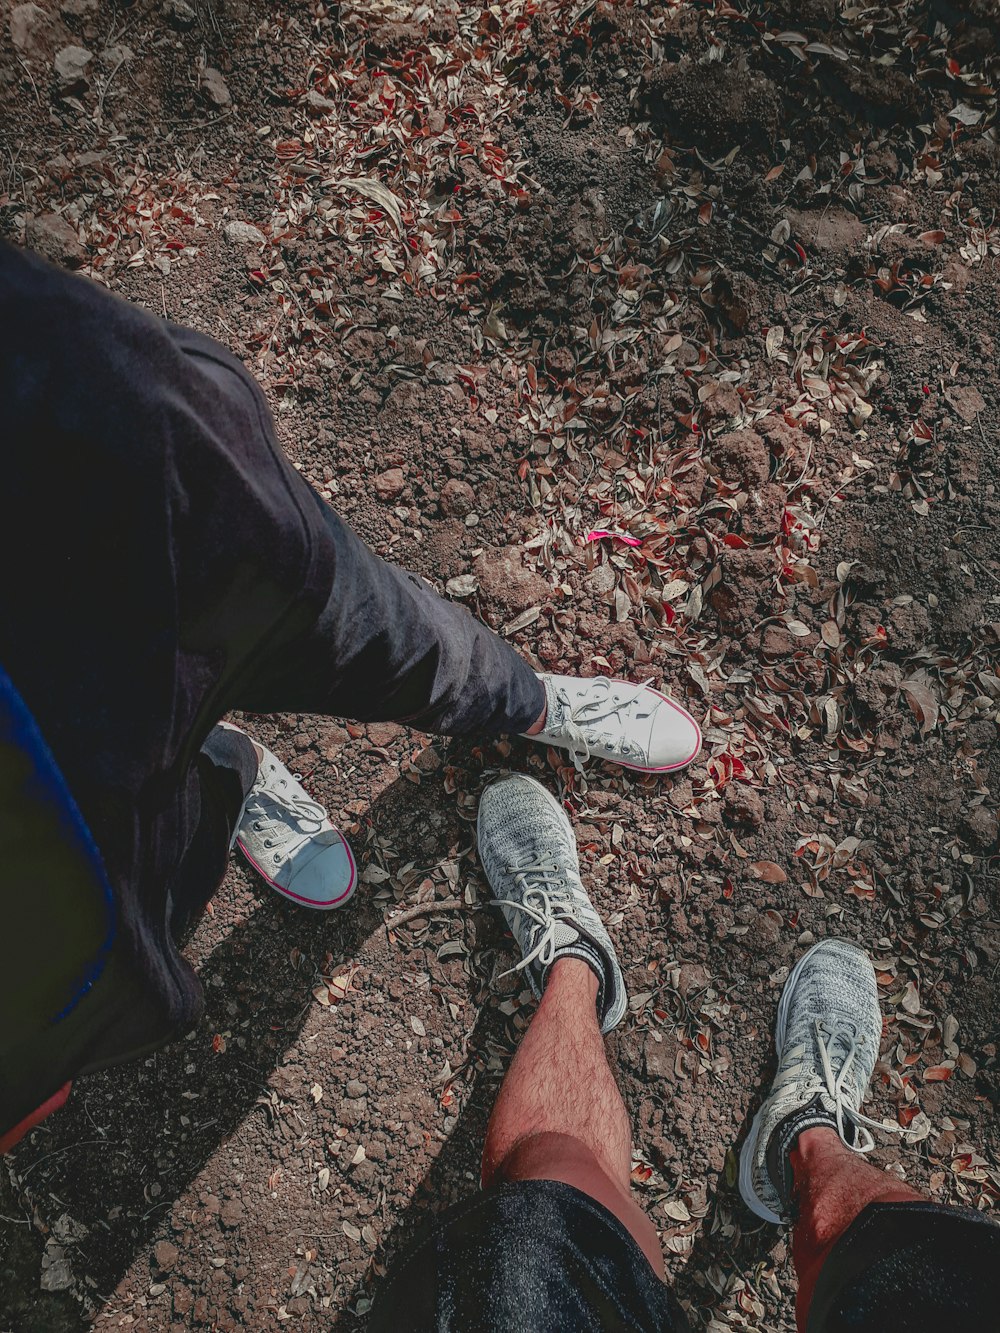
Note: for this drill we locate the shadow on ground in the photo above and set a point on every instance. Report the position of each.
(132, 1139)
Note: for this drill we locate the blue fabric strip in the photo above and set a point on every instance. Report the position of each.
(48, 787)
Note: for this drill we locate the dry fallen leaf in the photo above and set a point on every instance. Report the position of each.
(376, 191)
(923, 704)
(938, 1073)
(768, 871)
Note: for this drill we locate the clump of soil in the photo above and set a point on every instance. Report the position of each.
(714, 107)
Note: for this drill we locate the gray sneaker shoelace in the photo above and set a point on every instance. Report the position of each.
(299, 817)
(832, 1086)
(547, 901)
(591, 713)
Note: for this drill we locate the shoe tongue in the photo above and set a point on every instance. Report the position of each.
(565, 934)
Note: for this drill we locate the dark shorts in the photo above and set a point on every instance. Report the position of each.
(541, 1257)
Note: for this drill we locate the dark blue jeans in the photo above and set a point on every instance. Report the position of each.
(165, 564)
(541, 1257)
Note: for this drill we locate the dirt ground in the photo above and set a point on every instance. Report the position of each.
(663, 335)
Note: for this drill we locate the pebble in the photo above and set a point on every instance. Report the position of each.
(179, 13)
(215, 88)
(318, 102)
(243, 233)
(113, 56)
(165, 1255)
(71, 65)
(457, 498)
(28, 28)
(388, 485)
(56, 239)
(356, 1089)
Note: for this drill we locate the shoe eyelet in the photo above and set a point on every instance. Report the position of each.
(255, 826)
(277, 857)
(267, 842)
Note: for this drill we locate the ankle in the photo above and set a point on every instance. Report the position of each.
(815, 1145)
(539, 724)
(832, 1185)
(573, 975)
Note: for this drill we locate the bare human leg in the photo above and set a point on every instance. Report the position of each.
(832, 1186)
(559, 1114)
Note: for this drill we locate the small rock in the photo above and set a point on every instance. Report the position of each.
(979, 828)
(383, 733)
(29, 25)
(504, 580)
(743, 805)
(318, 102)
(352, 1111)
(165, 1255)
(777, 642)
(390, 484)
(243, 233)
(215, 88)
(356, 1089)
(179, 14)
(693, 977)
(113, 56)
(457, 498)
(742, 458)
(601, 580)
(75, 9)
(71, 65)
(53, 237)
(57, 1275)
(968, 402)
(660, 1056)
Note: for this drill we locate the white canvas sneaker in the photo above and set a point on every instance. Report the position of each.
(631, 725)
(288, 838)
(828, 1034)
(528, 851)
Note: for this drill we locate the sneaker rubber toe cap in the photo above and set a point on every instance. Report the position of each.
(326, 878)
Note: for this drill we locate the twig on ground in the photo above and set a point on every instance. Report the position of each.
(426, 909)
(99, 117)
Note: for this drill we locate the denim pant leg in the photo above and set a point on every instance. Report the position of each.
(379, 644)
(226, 768)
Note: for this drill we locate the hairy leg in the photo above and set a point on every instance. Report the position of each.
(832, 1186)
(559, 1114)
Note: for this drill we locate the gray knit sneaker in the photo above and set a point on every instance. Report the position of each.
(288, 838)
(631, 725)
(528, 851)
(828, 1034)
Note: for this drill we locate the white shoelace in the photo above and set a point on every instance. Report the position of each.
(545, 893)
(583, 716)
(833, 1089)
(307, 815)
